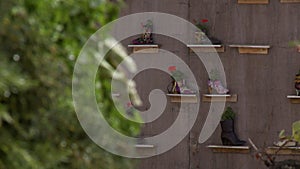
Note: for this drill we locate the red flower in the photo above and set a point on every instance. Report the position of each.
(204, 20)
(172, 68)
(129, 104)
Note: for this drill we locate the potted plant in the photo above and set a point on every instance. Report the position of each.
(146, 37)
(214, 83)
(270, 160)
(228, 135)
(290, 140)
(202, 35)
(178, 85)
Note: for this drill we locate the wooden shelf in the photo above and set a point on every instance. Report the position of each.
(184, 98)
(219, 97)
(252, 49)
(115, 94)
(294, 99)
(253, 1)
(283, 150)
(198, 48)
(229, 149)
(290, 1)
(144, 146)
(151, 48)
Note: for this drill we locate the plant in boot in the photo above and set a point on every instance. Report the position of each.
(178, 86)
(202, 35)
(228, 135)
(297, 83)
(146, 37)
(214, 83)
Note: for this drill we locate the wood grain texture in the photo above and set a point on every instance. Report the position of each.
(178, 98)
(253, 1)
(206, 49)
(145, 49)
(290, 1)
(230, 98)
(284, 150)
(251, 49)
(229, 149)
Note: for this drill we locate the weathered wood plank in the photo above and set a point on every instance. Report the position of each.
(290, 1)
(206, 48)
(253, 1)
(144, 48)
(294, 99)
(229, 149)
(252, 49)
(284, 150)
(219, 98)
(183, 98)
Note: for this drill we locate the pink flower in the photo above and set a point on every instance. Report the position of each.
(172, 68)
(204, 20)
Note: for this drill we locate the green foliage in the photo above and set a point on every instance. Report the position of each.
(202, 25)
(177, 75)
(295, 133)
(214, 74)
(228, 114)
(294, 43)
(39, 41)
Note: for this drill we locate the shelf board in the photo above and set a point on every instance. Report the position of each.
(219, 97)
(290, 1)
(184, 98)
(144, 146)
(283, 150)
(294, 99)
(198, 48)
(252, 49)
(147, 48)
(253, 1)
(115, 94)
(229, 149)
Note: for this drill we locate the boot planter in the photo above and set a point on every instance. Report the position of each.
(216, 86)
(202, 35)
(228, 135)
(178, 86)
(146, 37)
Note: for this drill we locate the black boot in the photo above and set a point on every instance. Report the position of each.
(228, 135)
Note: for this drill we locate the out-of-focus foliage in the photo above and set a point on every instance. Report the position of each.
(39, 42)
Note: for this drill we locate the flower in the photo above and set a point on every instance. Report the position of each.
(172, 68)
(129, 104)
(201, 24)
(204, 20)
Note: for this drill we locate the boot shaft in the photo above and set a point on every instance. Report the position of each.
(227, 125)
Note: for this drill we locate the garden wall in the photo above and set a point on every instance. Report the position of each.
(262, 82)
